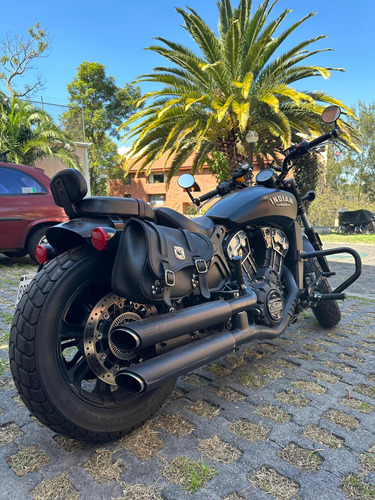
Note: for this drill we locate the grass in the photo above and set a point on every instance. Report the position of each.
(174, 424)
(9, 432)
(355, 487)
(139, 492)
(349, 238)
(273, 413)
(249, 430)
(316, 433)
(57, 488)
(251, 380)
(6, 317)
(342, 419)
(205, 409)
(288, 397)
(216, 449)
(306, 460)
(274, 483)
(4, 366)
(356, 404)
(27, 459)
(365, 390)
(142, 442)
(230, 394)
(367, 460)
(189, 474)
(102, 467)
(309, 387)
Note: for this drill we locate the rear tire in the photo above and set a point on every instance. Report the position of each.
(48, 357)
(327, 312)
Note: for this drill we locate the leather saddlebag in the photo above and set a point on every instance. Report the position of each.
(157, 263)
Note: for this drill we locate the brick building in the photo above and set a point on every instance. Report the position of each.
(153, 188)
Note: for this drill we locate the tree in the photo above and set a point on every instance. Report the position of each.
(209, 101)
(105, 106)
(17, 55)
(358, 166)
(30, 134)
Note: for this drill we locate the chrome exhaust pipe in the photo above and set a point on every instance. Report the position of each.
(151, 331)
(154, 372)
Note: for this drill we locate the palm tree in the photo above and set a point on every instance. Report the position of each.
(30, 134)
(236, 84)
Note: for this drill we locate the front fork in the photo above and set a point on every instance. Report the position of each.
(320, 254)
(313, 237)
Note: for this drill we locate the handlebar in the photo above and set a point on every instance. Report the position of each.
(325, 137)
(208, 195)
(303, 148)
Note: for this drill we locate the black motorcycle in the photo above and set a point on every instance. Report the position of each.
(128, 298)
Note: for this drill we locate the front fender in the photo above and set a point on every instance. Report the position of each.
(74, 232)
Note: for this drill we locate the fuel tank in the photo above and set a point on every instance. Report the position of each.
(255, 205)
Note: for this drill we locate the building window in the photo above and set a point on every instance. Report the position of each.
(127, 180)
(126, 195)
(156, 200)
(156, 178)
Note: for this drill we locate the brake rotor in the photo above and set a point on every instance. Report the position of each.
(103, 357)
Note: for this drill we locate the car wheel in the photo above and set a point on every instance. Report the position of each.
(38, 237)
(15, 254)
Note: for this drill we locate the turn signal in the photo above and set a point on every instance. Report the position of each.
(44, 253)
(101, 236)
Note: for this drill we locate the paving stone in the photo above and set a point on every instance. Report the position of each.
(305, 353)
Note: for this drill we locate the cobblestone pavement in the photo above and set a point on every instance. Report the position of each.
(289, 418)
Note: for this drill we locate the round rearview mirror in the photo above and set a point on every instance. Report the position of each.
(331, 114)
(186, 181)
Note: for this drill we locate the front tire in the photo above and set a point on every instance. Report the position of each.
(326, 312)
(53, 373)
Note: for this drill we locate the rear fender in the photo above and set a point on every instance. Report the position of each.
(74, 232)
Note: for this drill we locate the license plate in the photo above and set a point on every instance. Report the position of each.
(24, 282)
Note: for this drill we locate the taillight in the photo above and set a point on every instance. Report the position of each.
(44, 253)
(41, 254)
(101, 236)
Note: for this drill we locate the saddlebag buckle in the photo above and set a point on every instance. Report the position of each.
(201, 266)
(170, 278)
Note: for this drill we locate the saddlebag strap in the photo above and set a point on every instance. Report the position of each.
(169, 276)
(200, 265)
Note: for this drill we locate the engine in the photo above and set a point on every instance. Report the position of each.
(262, 262)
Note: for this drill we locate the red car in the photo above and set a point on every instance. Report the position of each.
(27, 209)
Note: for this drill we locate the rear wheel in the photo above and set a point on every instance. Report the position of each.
(327, 312)
(62, 358)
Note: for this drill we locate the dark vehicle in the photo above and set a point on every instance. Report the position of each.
(357, 222)
(129, 298)
(27, 209)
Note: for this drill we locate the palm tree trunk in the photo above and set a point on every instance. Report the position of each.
(228, 146)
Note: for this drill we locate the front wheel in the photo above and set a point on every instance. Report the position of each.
(62, 358)
(326, 312)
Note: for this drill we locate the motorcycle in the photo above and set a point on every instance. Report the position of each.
(128, 298)
(357, 222)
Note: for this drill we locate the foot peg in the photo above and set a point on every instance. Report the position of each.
(329, 296)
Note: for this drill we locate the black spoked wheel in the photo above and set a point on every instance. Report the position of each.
(62, 358)
(327, 312)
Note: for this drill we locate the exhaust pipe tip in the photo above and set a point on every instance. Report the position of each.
(125, 339)
(130, 382)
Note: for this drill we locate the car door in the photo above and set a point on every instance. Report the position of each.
(20, 198)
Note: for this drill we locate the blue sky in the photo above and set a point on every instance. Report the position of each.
(115, 33)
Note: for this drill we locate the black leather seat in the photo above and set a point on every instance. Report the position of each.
(108, 205)
(170, 218)
(69, 189)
